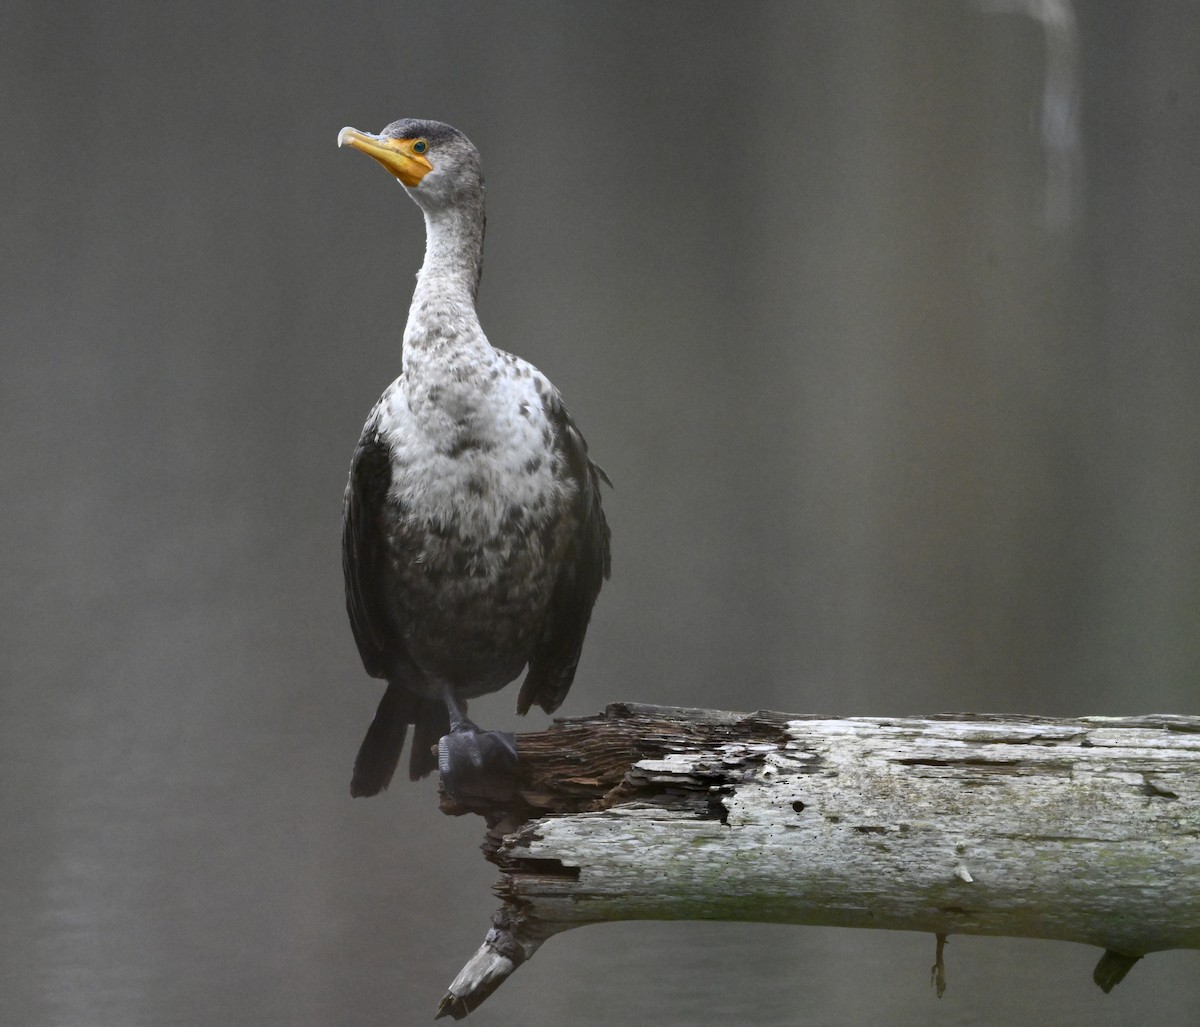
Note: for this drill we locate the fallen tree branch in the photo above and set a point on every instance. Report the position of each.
(1079, 830)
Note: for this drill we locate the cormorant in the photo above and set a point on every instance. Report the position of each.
(473, 541)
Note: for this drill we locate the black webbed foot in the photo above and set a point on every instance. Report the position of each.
(478, 764)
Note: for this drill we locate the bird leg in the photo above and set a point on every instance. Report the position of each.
(475, 763)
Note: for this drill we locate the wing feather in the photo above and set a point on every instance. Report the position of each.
(363, 551)
(586, 565)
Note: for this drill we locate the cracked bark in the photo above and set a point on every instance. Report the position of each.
(1081, 830)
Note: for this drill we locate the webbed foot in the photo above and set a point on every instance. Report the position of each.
(478, 764)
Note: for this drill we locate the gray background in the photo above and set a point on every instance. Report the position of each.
(900, 400)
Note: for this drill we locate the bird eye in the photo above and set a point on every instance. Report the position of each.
(420, 146)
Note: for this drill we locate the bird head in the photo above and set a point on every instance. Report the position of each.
(436, 163)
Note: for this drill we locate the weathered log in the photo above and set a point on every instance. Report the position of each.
(1081, 830)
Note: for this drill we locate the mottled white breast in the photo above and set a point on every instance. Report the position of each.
(469, 444)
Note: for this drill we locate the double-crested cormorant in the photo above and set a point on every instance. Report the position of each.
(473, 542)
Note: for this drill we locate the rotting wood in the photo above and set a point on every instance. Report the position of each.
(937, 972)
(1084, 830)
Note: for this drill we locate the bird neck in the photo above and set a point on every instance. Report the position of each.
(453, 256)
(443, 327)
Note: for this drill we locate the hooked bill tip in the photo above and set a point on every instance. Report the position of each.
(345, 134)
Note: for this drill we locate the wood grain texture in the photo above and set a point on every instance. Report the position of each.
(1082, 830)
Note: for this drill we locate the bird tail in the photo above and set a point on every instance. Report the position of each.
(430, 722)
(379, 754)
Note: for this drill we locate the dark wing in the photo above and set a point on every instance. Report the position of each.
(586, 566)
(363, 554)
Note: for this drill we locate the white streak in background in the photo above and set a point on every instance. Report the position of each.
(1062, 142)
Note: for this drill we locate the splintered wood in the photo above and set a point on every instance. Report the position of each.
(1081, 830)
